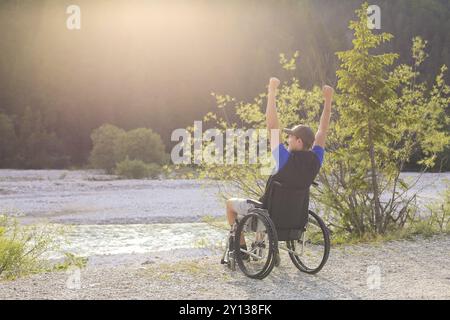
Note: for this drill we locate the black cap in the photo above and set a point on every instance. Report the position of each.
(303, 132)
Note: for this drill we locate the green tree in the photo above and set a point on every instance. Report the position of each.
(141, 144)
(38, 146)
(112, 145)
(104, 153)
(384, 118)
(137, 169)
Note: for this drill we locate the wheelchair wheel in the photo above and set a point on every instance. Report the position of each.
(260, 238)
(310, 253)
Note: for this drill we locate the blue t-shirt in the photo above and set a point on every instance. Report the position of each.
(281, 155)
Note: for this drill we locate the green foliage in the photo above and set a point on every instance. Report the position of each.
(436, 222)
(27, 142)
(133, 154)
(428, 224)
(178, 172)
(70, 260)
(22, 249)
(383, 116)
(137, 169)
(104, 153)
(290, 64)
(141, 144)
(439, 213)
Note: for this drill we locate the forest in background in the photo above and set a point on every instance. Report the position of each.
(155, 63)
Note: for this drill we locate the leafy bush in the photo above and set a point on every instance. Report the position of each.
(439, 217)
(137, 169)
(384, 114)
(22, 248)
(104, 153)
(70, 260)
(141, 144)
(112, 145)
(153, 170)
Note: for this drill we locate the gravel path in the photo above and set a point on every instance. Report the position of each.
(417, 269)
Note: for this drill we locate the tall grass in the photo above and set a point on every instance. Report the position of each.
(24, 249)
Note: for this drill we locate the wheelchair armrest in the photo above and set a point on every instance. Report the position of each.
(256, 203)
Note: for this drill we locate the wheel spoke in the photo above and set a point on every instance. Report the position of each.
(255, 259)
(310, 252)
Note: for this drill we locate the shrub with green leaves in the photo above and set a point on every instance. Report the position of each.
(104, 154)
(112, 145)
(25, 249)
(70, 260)
(439, 213)
(141, 144)
(22, 248)
(154, 170)
(384, 115)
(137, 169)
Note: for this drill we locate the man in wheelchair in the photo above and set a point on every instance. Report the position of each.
(296, 166)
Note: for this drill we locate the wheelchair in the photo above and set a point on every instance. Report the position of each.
(286, 225)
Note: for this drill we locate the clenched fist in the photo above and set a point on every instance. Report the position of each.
(327, 93)
(274, 84)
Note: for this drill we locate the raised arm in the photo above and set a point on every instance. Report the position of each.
(321, 135)
(273, 124)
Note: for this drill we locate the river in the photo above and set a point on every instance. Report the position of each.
(107, 217)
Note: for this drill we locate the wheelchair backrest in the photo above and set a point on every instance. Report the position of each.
(289, 210)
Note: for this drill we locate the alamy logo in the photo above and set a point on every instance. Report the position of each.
(374, 17)
(73, 22)
(229, 147)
